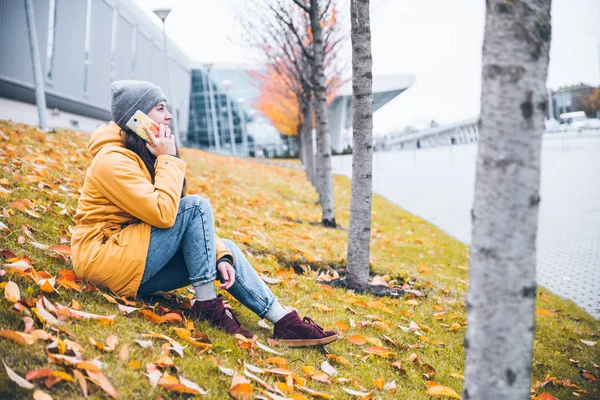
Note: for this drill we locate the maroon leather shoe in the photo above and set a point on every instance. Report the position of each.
(295, 332)
(214, 312)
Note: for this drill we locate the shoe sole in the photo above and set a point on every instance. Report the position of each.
(307, 342)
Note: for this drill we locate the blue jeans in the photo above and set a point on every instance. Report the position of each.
(185, 254)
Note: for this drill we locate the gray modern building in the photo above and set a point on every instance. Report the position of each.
(219, 115)
(84, 45)
(218, 92)
(385, 88)
(569, 98)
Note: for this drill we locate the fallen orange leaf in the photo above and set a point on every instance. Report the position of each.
(99, 379)
(441, 391)
(543, 312)
(241, 388)
(11, 292)
(545, 396)
(357, 339)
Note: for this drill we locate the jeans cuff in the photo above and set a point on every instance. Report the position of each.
(203, 279)
(268, 307)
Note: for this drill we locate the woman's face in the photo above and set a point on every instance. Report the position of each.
(160, 114)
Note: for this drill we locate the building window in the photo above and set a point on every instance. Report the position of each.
(51, 36)
(88, 40)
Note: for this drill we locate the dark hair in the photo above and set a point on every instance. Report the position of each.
(138, 145)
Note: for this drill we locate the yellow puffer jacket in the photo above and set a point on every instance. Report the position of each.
(118, 206)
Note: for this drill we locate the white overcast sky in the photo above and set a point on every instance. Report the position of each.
(438, 41)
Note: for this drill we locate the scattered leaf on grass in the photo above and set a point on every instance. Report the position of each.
(38, 373)
(543, 312)
(157, 319)
(328, 369)
(110, 346)
(322, 307)
(82, 381)
(263, 324)
(16, 378)
(226, 371)
(314, 392)
(545, 396)
(458, 376)
(18, 337)
(99, 379)
(143, 343)
(126, 309)
(442, 391)
(175, 346)
(357, 339)
(41, 395)
(589, 343)
(357, 394)
(241, 388)
(11, 292)
(267, 348)
(340, 326)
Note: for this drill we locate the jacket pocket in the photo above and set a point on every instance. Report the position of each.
(116, 234)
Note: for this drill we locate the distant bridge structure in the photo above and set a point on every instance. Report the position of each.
(462, 132)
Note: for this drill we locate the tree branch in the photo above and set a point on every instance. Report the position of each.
(302, 6)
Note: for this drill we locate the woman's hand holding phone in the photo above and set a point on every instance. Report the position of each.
(163, 142)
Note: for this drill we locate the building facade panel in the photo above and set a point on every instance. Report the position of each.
(98, 78)
(15, 62)
(123, 49)
(142, 57)
(181, 79)
(84, 45)
(158, 75)
(69, 48)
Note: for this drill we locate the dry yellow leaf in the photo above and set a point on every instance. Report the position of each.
(12, 292)
(241, 388)
(442, 391)
(357, 339)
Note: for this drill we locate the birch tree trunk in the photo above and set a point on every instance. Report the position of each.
(308, 142)
(359, 235)
(323, 134)
(502, 292)
(318, 176)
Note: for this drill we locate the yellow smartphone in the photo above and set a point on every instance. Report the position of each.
(139, 121)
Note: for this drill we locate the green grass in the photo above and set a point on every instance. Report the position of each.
(271, 213)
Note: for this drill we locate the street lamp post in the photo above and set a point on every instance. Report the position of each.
(241, 101)
(163, 13)
(40, 95)
(213, 108)
(227, 85)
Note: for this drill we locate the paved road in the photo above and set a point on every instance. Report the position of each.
(438, 184)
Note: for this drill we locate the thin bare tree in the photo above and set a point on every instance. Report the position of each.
(325, 178)
(284, 32)
(502, 291)
(359, 235)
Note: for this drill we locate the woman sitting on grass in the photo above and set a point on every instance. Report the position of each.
(138, 233)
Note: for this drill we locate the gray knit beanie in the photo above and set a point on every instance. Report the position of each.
(130, 96)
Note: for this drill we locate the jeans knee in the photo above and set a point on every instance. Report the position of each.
(197, 201)
(230, 245)
(235, 250)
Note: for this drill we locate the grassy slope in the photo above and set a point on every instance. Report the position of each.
(270, 212)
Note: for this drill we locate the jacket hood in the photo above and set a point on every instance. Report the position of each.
(105, 135)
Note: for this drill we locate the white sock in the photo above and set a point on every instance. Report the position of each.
(205, 291)
(276, 312)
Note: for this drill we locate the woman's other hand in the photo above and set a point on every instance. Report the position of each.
(227, 274)
(163, 142)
